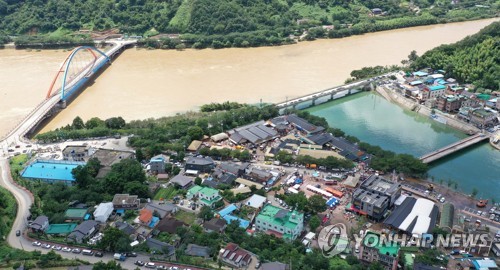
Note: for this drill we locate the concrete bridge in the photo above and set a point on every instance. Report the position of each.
(57, 97)
(454, 147)
(328, 94)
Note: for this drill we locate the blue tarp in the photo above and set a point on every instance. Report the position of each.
(120, 211)
(87, 216)
(243, 223)
(332, 201)
(228, 210)
(298, 181)
(153, 222)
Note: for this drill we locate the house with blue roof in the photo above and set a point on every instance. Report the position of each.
(433, 91)
(226, 214)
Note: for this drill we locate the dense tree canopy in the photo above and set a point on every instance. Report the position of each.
(475, 59)
(215, 22)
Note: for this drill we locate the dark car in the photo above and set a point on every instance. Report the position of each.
(98, 254)
(131, 254)
(18, 233)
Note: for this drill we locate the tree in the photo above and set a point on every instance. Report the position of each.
(352, 260)
(375, 266)
(139, 155)
(78, 123)
(412, 56)
(114, 240)
(94, 122)
(195, 133)
(110, 265)
(317, 204)
(137, 188)
(115, 123)
(83, 176)
(197, 181)
(314, 223)
(206, 213)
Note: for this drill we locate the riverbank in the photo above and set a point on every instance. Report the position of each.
(409, 104)
(494, 136)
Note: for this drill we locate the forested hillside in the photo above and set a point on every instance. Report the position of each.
(475, 59)
(210, 21)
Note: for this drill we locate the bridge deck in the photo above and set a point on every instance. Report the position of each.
(38, 113)
(452, 148)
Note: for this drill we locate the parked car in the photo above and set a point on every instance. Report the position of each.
(150, 265)
(56, 247)
(66, 249)
(161, 267)
(36, 244)
(98, 254)
(76, 250)
(139, 263)
(18, 233)
(46, 246)
(442, 200)
(131, 254)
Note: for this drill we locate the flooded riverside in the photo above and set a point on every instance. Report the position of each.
(377, 121)
(153, 83)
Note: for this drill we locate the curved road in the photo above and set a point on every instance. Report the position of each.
(24, 198)
(24, 201)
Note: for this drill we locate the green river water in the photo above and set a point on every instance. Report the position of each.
(375, 120)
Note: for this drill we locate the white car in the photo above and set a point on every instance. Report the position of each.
(56, 247)
(46, 246)
(442, 200)
(36, 244)
(66, 249)
(150, 265)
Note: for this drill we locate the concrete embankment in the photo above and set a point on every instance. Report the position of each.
(421, 109)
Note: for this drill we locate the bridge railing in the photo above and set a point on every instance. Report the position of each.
(118, 45)
(348, 85)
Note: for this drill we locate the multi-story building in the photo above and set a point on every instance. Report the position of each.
(448, 103)
(432, 92)
(206, 195)
(375, 196)
(280, 222)
(157, 164)
(372, 250)
(482, 118)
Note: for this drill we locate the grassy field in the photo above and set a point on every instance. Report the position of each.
(166, 193)
(185, 217)
(17, 162)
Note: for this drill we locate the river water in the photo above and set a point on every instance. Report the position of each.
(154, 83)
(375, 120)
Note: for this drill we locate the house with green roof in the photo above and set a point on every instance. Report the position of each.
(280, 222)
(206, 195)
(374, 249)
(482, 118)
(75, 214)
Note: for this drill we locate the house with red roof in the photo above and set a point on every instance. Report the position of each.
(235, 256)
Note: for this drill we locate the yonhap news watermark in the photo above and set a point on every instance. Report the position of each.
(333, 240)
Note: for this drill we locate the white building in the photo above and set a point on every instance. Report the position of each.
(103, 211)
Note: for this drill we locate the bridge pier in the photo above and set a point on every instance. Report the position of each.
(63, 104)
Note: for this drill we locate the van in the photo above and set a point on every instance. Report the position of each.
(87, 252)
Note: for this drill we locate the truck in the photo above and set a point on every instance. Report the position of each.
(119, 257)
